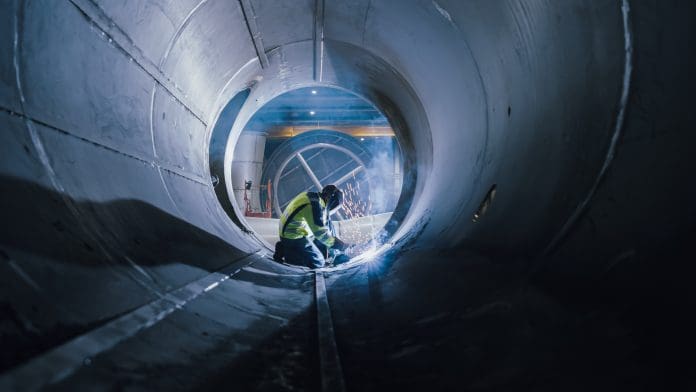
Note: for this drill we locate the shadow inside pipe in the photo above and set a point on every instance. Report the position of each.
(39, 220)
(200, 349)
(288, 360)
(63, 274)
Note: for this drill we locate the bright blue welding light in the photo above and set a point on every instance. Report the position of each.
(371, 252)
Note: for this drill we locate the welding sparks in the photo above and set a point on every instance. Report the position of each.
(357, 208)
(368, 252)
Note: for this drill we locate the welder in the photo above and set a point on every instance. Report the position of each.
(306, 233)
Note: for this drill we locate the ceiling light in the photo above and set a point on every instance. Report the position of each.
(314, 92)
(312, 112)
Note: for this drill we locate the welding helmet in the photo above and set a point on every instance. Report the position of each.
(333, 198)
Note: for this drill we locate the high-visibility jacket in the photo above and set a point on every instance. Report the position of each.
(305, 216)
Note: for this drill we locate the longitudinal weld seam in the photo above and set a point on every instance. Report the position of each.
(329, 360)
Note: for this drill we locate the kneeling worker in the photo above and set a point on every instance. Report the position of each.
(305, 229)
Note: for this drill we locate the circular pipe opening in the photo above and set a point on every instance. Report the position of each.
(353, 69)
(319, 132)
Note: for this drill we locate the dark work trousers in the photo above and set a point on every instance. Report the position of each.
(303, 252)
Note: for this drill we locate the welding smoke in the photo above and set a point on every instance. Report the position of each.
(380, 172)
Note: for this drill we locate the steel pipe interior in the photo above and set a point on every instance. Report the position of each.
(577, 111)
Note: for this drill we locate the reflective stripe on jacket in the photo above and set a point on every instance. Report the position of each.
(310, 219)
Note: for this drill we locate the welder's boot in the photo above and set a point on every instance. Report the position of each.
(279, 252)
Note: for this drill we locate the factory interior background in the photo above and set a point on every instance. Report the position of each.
(306, 139)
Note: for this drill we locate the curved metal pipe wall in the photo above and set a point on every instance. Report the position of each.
(108, 110)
